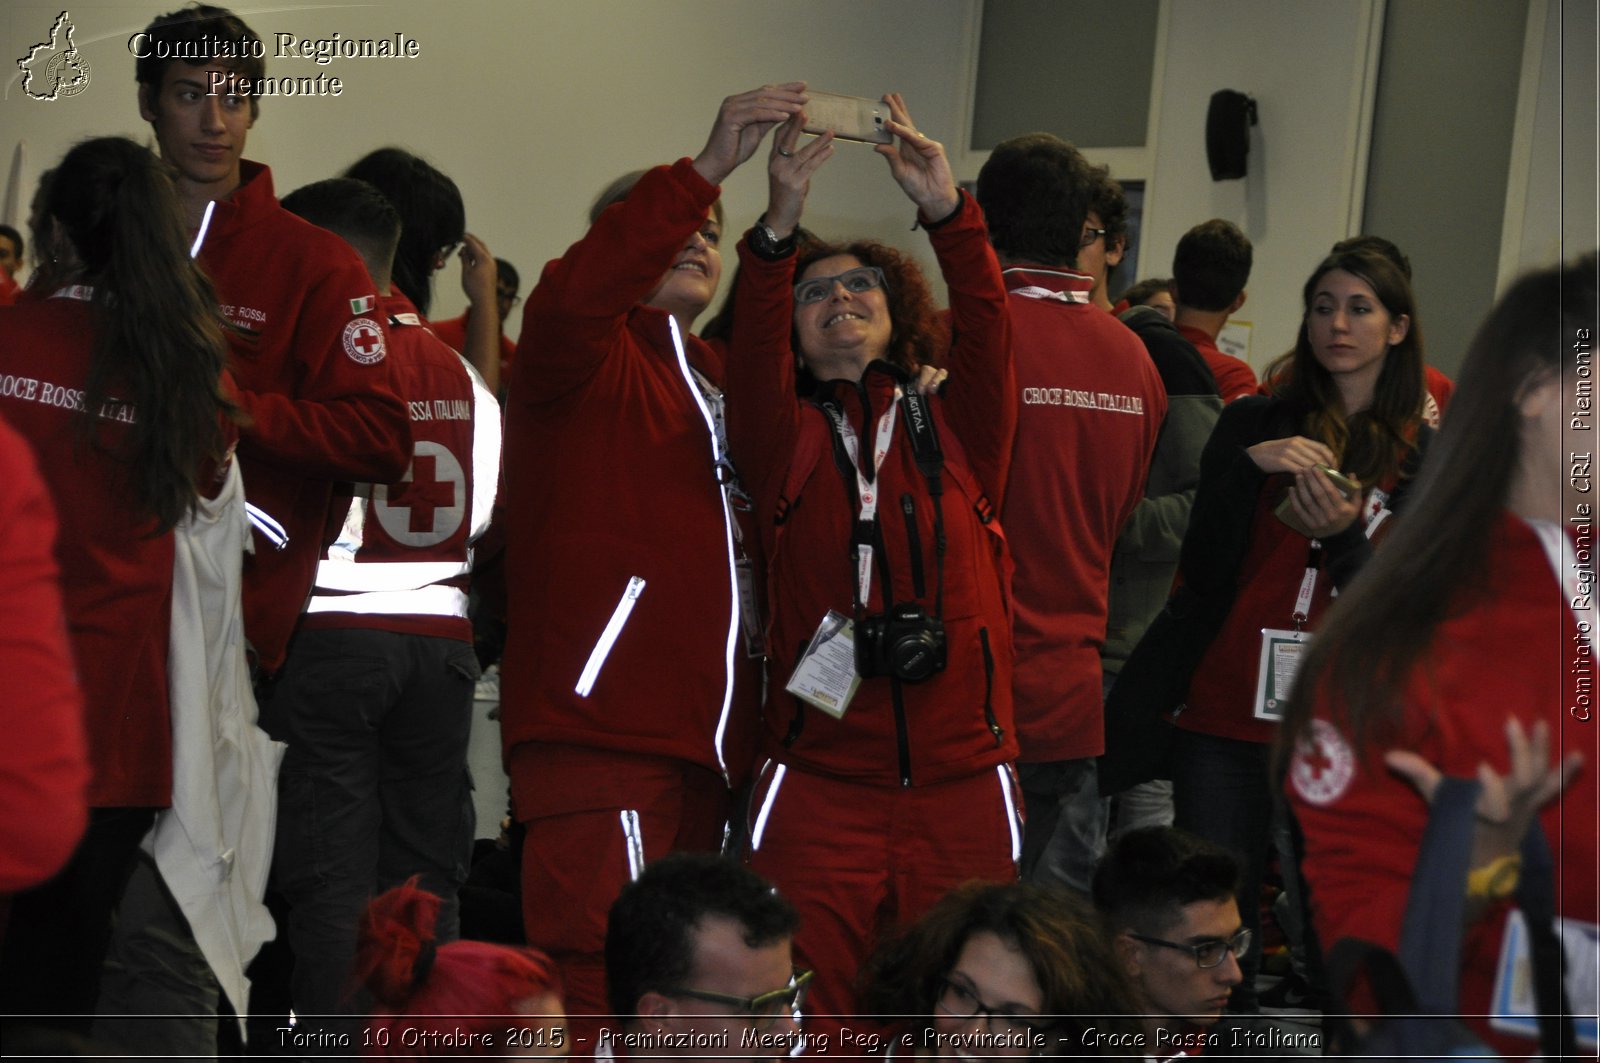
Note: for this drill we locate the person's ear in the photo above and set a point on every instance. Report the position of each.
(1114, 254)
(1535, 394)
(1238, 301)
(654, 1007)
(1130, 953)
(147, 103)
(1399, 328)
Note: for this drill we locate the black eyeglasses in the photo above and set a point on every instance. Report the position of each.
(1090, 235)
(763, 1010)
(961, 1001)
(507, 296)
(1207, 953)
(858, 280)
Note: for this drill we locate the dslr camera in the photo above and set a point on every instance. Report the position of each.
(904, 642)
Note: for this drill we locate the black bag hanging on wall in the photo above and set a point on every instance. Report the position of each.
(1228, 123)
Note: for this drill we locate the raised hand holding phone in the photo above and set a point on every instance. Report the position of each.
(742, 121)
(789, 170)
(918, 164)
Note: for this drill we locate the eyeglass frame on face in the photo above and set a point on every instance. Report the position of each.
(795, 991)
(1237, 946)
(1013, 1023)
(826, 284)
(504, 296)
(1090, 235)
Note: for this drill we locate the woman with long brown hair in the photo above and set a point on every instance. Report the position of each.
(1473, 625)
(116, 378)
(1271, 536)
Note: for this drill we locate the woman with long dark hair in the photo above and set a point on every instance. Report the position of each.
(1271, 537)
(116, 378)
(1473, 624)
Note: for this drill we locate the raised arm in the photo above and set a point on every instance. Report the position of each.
(982, 394)
(763, 409)
(581, 302)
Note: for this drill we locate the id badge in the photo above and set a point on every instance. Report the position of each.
(1281, 652)
(826, 675)
(749, 609)
(1513, 1008)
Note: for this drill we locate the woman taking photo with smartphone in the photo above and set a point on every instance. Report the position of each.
(888, 730)
(1292, 489)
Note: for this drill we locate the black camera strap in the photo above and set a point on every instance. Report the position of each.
(924, 436)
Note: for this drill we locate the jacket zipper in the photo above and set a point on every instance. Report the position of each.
(902, 739)
(988, 688)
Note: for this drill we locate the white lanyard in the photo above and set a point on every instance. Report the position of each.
(866, 491)
(1375, 512)
(1564, 563)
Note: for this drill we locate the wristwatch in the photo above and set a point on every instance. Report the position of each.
(764, 241)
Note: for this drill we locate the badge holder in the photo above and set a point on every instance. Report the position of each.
(1282, 650)
(826, 675)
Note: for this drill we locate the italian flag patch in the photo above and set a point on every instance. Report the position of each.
(362, 305)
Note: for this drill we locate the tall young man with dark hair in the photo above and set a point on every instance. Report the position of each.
(1091, 407)
(1209, 271)
(698, 963)
(310, 357)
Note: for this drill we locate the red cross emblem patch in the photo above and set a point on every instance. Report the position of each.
(363, 341)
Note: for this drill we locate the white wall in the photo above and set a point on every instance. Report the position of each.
(1306, 65)
(534, 105)
(1558, 217)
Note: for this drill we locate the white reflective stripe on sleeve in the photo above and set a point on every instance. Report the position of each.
(386, 575)
(486, 429)
(1011, 812)
(424, 601)
(633, 838)
(766, 808)
(608, 637)
(205, 223)
(270, 529)
(733, 564)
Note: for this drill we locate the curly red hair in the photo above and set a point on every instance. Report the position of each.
(919, 335)
(422, 988)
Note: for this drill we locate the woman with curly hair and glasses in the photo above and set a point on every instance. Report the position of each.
(1009, 970)
(888, 734)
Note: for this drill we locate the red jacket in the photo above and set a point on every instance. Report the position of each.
(44, 762)
(1091, 406)
(959, 721)
(400, 557)
(116, 578)
(1234, 375)
(313, 378)
(610, 480)
(1514, 650)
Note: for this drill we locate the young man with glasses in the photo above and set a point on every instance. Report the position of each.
(698, 964)
(1167, 900)
(454, 330)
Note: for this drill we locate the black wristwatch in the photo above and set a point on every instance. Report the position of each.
(765, 243)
